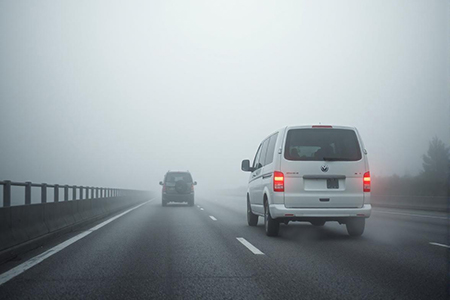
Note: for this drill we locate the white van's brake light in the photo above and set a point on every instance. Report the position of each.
(322, 126)
(278, 181)
(366, 182)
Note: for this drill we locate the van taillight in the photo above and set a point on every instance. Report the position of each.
(366, 182)
(164, 188)
(278, 181)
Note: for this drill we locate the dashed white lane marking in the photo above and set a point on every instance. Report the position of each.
(441, 245)
(198, 206)
(201, 208)
(249, 246)
(5, 277)
(212, 218)
(410, 215)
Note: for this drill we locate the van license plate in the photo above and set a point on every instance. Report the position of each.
(332, 183)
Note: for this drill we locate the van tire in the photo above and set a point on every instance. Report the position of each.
(191, 202)
(271, 226)
(252, 219)
(164, 203)
(355, 226)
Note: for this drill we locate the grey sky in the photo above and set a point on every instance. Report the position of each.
(115, 93)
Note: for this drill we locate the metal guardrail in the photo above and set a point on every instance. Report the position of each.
(86, 192)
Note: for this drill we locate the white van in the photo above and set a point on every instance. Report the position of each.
(310, 173)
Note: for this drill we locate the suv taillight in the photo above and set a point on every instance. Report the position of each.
(366, 182)
(278, 181)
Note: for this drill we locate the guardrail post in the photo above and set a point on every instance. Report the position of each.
(87, 193)
(27, 193)
(66, 193)
(56, 193)
(44, 193)
(81, 193)
(101, 193)
(96, 192)
(6, 193)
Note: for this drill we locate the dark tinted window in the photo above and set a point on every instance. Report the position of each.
(178, 176)
(256, 161)
(262, 158)
(322, 144)
(271, 149)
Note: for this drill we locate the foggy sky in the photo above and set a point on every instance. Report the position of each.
(115, 93)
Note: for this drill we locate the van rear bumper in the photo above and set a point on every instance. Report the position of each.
(280, 211)
(177, 197)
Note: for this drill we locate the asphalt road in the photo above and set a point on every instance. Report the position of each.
(181, 252)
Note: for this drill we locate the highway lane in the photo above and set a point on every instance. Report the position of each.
(181, 252)
(393, 259)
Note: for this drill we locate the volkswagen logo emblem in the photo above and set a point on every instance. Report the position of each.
(324, 168)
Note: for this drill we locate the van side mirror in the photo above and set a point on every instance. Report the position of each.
(195, 183)
(161, 183)
(245, 166)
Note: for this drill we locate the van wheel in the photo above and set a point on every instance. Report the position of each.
(355, 226)
(164, 203)
(272, 226)
(252, 219)
(318, 223)
(191, 203)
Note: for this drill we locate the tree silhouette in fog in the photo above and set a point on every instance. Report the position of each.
(433, 180)
(436, 166)
(436, 162)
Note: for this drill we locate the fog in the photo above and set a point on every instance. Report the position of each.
(115, 93)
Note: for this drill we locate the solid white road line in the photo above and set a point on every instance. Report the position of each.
(410, 215)
(5, 277)
(212, 218)
(249, 246)
(441, 245)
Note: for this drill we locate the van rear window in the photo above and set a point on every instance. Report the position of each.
(322, 144)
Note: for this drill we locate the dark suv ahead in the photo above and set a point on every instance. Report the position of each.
(178, 186)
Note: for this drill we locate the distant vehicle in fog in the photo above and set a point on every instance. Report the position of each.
(309, 173)
(178, 186)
